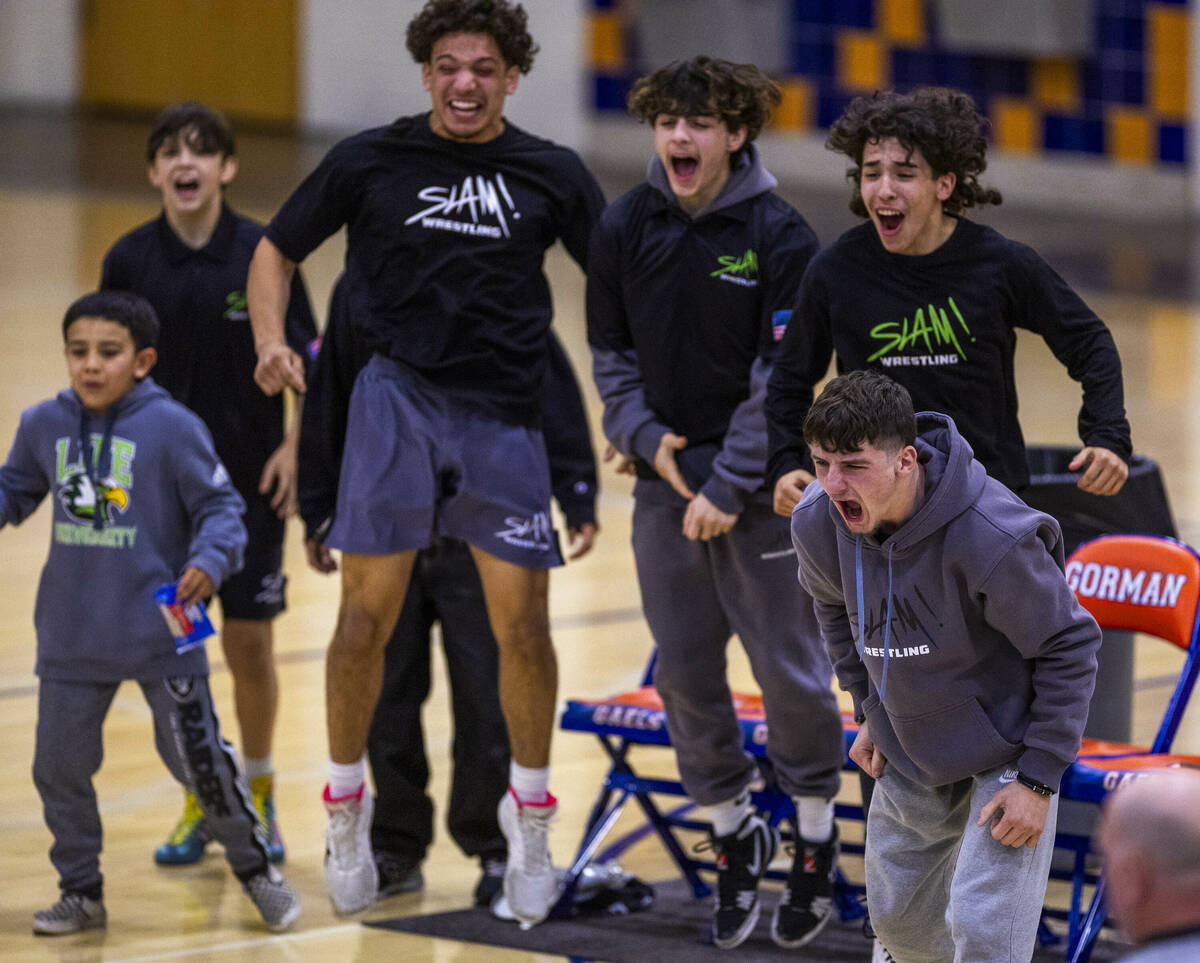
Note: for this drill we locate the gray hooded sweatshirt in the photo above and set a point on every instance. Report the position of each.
(148, 500)
(956, 636)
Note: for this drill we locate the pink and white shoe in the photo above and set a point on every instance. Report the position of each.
(350, 872)
(531, 886)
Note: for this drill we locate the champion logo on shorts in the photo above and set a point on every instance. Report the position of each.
(532, 532)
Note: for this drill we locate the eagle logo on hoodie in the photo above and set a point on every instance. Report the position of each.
(82, 499)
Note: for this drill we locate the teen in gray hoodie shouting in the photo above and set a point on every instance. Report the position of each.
(942, 599)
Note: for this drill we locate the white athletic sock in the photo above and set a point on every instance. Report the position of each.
(530, 785)
(814, 818)
(258, 767)
(345, 778)
(727, 816)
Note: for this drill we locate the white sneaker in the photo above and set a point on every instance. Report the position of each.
(531, 886)
(350, 872)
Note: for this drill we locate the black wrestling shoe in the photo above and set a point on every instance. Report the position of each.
(742, 860)
(807, 901)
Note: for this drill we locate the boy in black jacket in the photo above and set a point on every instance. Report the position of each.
(691, 277)
(190, 263)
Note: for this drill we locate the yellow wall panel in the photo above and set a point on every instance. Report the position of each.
(860, 61)
(796, 111)
(1015, 125)
(607, 48)
(902, 21)
(1056, 83)
(240, 57)
(1167, 40)
(1129, 134)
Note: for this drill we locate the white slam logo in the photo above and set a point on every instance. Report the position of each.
(479, 206)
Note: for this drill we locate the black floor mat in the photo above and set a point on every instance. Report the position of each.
(674, 928)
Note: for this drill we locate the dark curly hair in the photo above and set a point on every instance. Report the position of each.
(739, 94)
(504, 22)
(940, 122)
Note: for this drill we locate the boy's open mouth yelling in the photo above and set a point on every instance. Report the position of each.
(465, 109)
(889, 220)
(684, 168)
(187, 187)
(851, 510)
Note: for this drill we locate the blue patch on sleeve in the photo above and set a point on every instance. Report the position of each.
(779, 322)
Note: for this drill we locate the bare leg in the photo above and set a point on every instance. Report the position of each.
(373, 588)
(249, 653)
(518, 608)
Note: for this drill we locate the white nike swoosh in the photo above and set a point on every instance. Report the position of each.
(754, 865)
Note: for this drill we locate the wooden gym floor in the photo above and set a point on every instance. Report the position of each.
(70, 186)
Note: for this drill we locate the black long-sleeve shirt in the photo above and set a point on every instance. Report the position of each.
(944, 325)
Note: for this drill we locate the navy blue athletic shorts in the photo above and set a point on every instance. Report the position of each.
(419, 466)
(258, 590)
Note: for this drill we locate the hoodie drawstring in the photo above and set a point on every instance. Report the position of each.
(887, 625)
(103, 464)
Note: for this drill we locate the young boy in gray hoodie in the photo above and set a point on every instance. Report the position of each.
(691, 278)
(942, 599)
(140, 500)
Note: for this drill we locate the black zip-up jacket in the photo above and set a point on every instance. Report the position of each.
(206, 356)
(683, 318)
(327, 405)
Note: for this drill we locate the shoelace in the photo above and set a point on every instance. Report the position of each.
(69, 907)
(343, 826)
(192, 817)
(535, 826)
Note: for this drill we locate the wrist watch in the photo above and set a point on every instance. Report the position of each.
(1038, 787)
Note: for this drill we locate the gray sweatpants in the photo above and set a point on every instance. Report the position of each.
(695, 595)
(69, 751)
(939, 887)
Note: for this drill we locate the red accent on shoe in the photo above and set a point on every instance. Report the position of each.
(549, 801)
(337, 799)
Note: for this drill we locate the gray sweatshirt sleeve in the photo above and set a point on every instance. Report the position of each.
(23, 482)
(739, 467)
(213, 506)
(1026, 597)
(628, 421)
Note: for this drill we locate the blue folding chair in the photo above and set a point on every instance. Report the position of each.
(628, 722)
(1147, 584)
